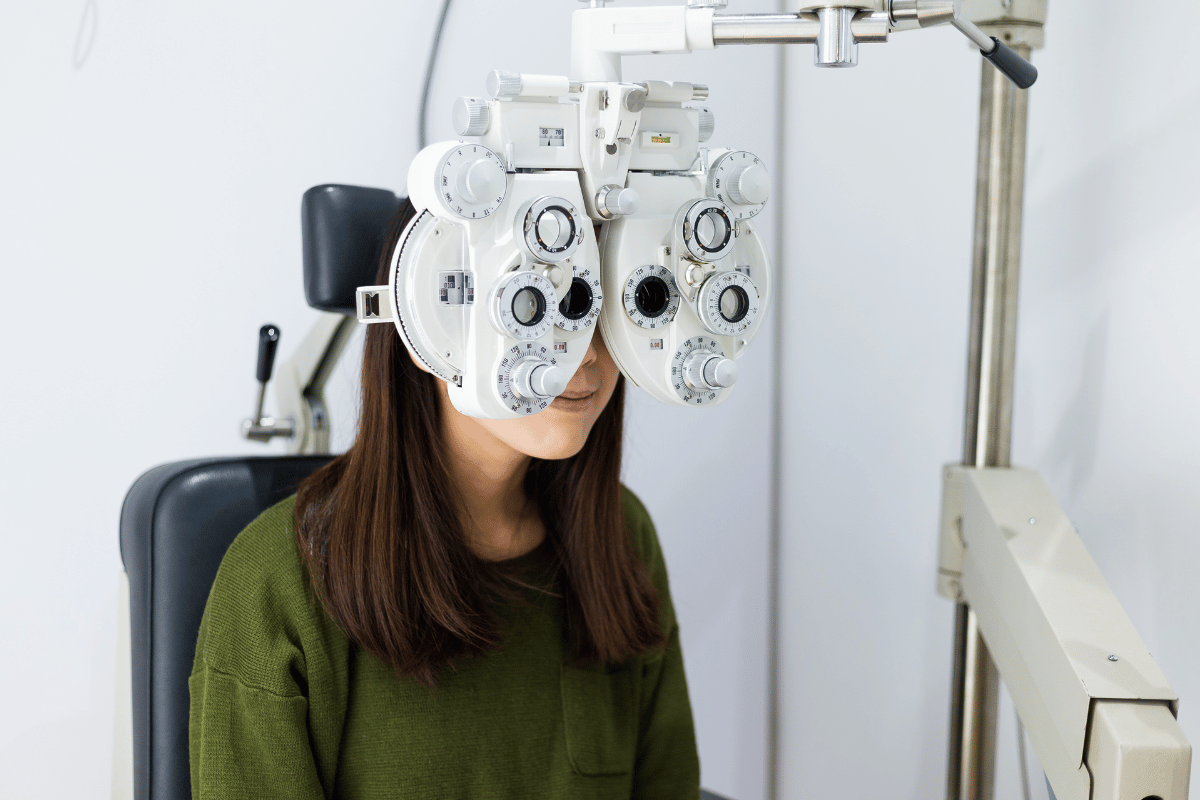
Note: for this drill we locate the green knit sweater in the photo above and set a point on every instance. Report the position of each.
(285, 706)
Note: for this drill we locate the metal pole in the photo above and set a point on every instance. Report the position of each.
(987, 440)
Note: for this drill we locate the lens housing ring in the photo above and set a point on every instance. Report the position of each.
(692, 219)
(502, 306)
(635, 306)
(534, 240)
(709, 301)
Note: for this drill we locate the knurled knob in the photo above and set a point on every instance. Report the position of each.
(751, 186)
(504, 83)
(708, 123)
(618, 201)
(470, 116)
(481, 180)
(534, 379)
(705, 371)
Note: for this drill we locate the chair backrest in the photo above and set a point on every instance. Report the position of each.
(176, 524)
(343, 229)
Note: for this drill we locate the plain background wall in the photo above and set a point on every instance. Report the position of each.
(880, 191)
(154, 156)
(153, 160)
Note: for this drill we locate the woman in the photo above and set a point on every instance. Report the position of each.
(455, 607)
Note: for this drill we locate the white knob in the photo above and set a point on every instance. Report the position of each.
(470, 116)
(751, 186)
(548, 380)
(503, 83)
(481, 181)
(705, 371)
(534, 379)
(616, 201)
(721, 372)
(708, 123)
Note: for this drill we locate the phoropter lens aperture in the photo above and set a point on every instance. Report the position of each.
(652, 296)
(734, 304)
(529, 306)
(578, 302)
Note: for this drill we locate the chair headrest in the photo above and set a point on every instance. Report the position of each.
(343, 230)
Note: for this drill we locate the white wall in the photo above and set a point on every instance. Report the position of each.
(881, 169)
(153, 158)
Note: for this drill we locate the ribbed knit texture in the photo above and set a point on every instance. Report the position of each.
(284, 706)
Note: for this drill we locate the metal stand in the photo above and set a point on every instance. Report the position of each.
(987, 440)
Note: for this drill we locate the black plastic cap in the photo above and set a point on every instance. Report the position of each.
(1015, 68)
(343, 232)
(268, 340)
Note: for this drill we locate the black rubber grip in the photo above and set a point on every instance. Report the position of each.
(268, 340)
(1015, 68)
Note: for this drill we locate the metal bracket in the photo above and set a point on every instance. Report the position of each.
(1060, 638)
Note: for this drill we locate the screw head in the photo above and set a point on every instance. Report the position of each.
(1033, 520)
(1113, 658)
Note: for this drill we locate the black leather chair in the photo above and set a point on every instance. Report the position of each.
(176, 524)
(179, 519)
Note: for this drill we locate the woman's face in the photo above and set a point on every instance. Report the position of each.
(562, 429)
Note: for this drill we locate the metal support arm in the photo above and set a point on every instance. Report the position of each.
(1097, 708)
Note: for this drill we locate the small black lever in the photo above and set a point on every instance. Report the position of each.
(258, 427)
(1015, 68)
(268, 340)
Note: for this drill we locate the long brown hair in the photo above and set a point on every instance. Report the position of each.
(388, 555)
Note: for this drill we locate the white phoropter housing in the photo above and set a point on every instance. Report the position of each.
(681, 259)
(494, 286)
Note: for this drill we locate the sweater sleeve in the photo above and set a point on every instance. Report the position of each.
(266, 692)
(248, 742)
(667, 764)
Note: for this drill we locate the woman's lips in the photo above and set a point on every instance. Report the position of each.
(574, 401)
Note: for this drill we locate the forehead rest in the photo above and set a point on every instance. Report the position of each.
(343, 230)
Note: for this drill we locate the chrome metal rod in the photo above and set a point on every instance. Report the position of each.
(972, 32)
(999, 198)
(792, 28)
(987, 439)
(764, 29)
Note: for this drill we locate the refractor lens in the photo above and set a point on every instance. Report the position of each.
(578, 301)
(529, 306)
(555, 229)
(652, 296)
(734, 304)
(712, 230)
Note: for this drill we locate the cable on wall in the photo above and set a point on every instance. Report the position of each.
(423, 115)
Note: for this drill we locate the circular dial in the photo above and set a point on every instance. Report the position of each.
(698, 350)
(580, 307)
(651, 298)
(524, 305)
(707, 230)
(740, 180)
(472, 181)
(551, 229)
(704, 371)
(727, 303)
(513, 377)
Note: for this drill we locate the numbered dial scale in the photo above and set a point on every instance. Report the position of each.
(650, 296)
(727, 303)
(524, 306)
(580, 307)
(740, 181)
(519, 359)
(471, 181)
(695, 349)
